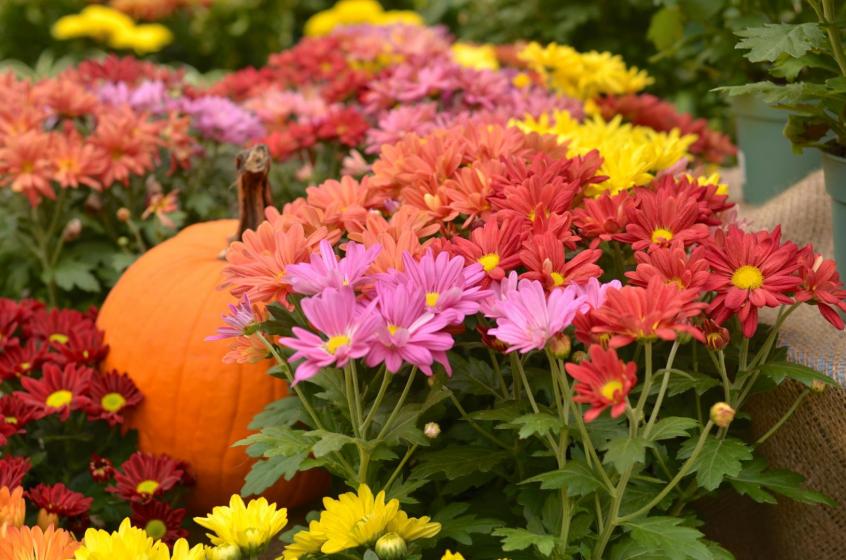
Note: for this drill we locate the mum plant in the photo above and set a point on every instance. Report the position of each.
(545, 347)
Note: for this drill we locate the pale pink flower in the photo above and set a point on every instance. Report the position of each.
(594, 292)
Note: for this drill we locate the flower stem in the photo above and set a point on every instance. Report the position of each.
(784, 418)
(664, 384)
(475, 425)
(399, 404)
(518, 366)
(401, 464)
(383, 388)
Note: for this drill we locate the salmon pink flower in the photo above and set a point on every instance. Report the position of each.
(544, 256)
(528, 318)
(750, 271)
(450, 287)
(143, 476)
(603, 381)
(821, 286)
(325, 270)
(128, 145)
(595, 291)
(603, 217)
(496, 247)
(673, 265)
(59, 391)
(111, 395)
(657, 220)
(13, 470)
(59, 500)
(348, 327)
(25, 165)
(407, 331)
(75, 162)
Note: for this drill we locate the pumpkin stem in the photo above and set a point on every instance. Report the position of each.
(253, 166)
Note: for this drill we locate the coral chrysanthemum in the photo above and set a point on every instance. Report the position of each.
(12, 508)
(603, 381)
(821, 285)
(249, 527)
(27, 543)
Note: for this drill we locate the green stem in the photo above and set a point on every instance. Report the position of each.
(765, 350)
(784, 418)
(401, 464)
(664, 384)
(724, 375)
(399, 404)
(475, 425)
(348, 389)
(495, 364)
(516, 364)
(383, 388)
(829, 16)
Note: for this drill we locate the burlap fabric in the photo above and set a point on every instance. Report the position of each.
(813, 442)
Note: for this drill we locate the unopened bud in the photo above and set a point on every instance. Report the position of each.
(391, 546)
(579, 357)
(94, 203)
(432, 430)
(722, 414)
(72, 230)
(123, 241)
(817, 386)
(224, 552)
(560, 346)
(716, 337)
(123, 214)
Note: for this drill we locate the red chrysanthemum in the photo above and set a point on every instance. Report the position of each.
(144, 476)
(496, 247)
(111, 395)
(544, 256)
(84, 346)
(14, 415)
(711, 202)
(673, 265)
(56, 325)
(821, 286)
(346, 125)
(13, 470)
(658, 311)
(9, 321)
(656, 221)
(101, 469)
(59, 391)
(58, 499)
(159, 521)
(18, 361)
(603, 381)
(750, 271)
(603, 217)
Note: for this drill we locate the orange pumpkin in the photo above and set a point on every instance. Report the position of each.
(195, 406)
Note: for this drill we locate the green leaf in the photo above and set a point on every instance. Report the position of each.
(576, 476)
(455, 462)
(503, 413)
(460, 527)
(265, 473)
(672, 427)
(718, 459)
(286, 411)
(370, 555)
(75, 274)
(521, 539)
(666, 28)
(624, 452)
(627, 548)
(329, 442)
(773, 40)
(531, 424)
(777, 371)
(666, 534)
(757, 482)
(698, 382)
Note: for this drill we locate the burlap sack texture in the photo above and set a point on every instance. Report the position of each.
(813, 442)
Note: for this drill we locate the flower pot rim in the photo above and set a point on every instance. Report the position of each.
(827, 154)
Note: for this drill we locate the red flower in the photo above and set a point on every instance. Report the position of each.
(657, 220)
(9, 320)
(18, 361)
(750, 271)
(603, 217)
(56, 325)
(111, 394)
(101, 469)
(821, 286)
(496, 247)
(160, 521)
(59, 391)
(13, 470)
(672, 265)
(544, 256)
(84, 346)
(658, 311)
(14, 415)
(716, 337)
(602, 381)
(347, 125)
(59, 500)
(144, 476)
(711, 202)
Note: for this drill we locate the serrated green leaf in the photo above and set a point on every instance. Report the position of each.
(521, 539)
(670, 537)
(772, 40)
(70, 274)
(672, 427)
(454, 462)
(624, 452)
(504, 413)
(329, 442)
(534, 424)
(286, 411)
(576, 476)
(778, 371)
(460, 527)
(265, 473)
(756, 481)
(718, 459)
(627, 548)
(698, 382)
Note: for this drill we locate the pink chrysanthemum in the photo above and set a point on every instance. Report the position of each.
(240, 321)
(325, 270)
(603, 381)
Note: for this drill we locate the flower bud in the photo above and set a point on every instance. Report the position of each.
(490, 341)
(431, 430)
(579, 357)
(123, 214)
(101, 469)
(94, 203)
(817, 386)
(722, 414)
(72, 230)
(391, 546)
(123, 241)
(560, 346)
(716, 337)
(224, 552)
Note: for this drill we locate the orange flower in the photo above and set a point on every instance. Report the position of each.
(302, 213)
(128, 144)
(34, 544)
(344, 203)
(25, 165)
(468, 192)
(75, 162)
(162, 205)
(66, 97)
(12, 508)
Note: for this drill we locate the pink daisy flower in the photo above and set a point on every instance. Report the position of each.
(325, 270)
(348, 327)
(528, 318)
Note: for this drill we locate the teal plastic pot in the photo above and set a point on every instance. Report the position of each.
(766, 157)
(834, 169)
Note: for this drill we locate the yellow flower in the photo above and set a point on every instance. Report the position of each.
(113, 27)
(392, 17)
(479, 57)
(712, 179)
(183, 551)
(413, 528)
(305, 542)
(127, 543)
(449, 555)
(355, 12)
(12, 508)
(249, 527)
(143, 39)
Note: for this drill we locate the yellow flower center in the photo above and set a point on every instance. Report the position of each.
(25, 366)
(60, 398)
(336, 342)
(432, 299)
(10, 420)
(147, 487)
(532, 215)
(661, 235)
(557, 278)
(155, 528)
(748, 277)
(112, 402)
(392, 329)
(59, 338)
(610, 389)
(489, 261)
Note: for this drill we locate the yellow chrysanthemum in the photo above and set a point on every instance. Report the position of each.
(413, 528)
(127, 543)
(147, 38)
(392, 17)
(632, 155)
(450, 555)
(12, 508)
(305, 542)
(480, 57)
(355, 12)
(583, 75)
(712, 179)
(250, 527)
(183, 551)
(111, 26)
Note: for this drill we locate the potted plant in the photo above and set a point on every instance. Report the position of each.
(810, 57)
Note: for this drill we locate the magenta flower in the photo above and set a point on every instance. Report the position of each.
(499, 291)
(451, 289)
(408, 332)
(347, 326)
(239, 321)
(326, 271)
(528, 318)
(221, 120)
(594, 292)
